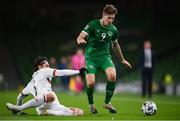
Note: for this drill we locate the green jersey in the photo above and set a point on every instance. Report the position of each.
(99, 39)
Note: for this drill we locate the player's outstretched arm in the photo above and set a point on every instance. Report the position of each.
(49, 72)
(68, 72)
(81, 38)
(65, 72)
(118, 52)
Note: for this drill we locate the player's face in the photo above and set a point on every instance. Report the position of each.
(45, 64)
(108, 19)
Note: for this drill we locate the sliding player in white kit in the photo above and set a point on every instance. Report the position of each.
(45, 100)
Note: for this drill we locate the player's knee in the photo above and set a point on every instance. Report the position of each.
(111, 77)
(111, 74)
(90, 84)
(50, 97)
(90, 80)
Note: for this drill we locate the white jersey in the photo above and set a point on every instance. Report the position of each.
(42, 80)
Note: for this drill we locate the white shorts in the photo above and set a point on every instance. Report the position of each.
(54, 108)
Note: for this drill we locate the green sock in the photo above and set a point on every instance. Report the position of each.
(109, 91)
(90, 91)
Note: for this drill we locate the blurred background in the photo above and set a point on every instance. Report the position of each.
(29, 28)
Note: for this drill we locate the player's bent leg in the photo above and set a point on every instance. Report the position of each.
(36, 102)
(59, 113)
(61, 110)
(54, 108)
(30, 104)
(110, 87)
(43, 109)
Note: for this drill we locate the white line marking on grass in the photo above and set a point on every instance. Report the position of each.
(91, 120)
(142, 100)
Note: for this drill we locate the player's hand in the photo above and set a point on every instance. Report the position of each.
(82, 72)
(125, 62)
(81, 41)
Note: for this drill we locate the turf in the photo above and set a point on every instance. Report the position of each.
(128, 107)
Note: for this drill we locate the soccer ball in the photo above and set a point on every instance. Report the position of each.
(149, 108)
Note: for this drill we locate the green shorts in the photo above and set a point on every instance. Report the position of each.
(95, 65)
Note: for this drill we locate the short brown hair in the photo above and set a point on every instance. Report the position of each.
(109, 9)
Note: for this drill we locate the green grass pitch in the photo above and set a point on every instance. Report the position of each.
(128, 107)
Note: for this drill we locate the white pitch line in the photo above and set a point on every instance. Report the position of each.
(89, 120)
(142, 100)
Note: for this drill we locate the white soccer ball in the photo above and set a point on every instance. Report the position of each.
(149, 108)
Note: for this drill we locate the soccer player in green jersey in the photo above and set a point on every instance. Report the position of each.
(98, 35)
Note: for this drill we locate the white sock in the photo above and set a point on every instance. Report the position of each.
(36, 102)
(20, 99)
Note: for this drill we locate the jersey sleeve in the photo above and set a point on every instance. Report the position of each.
(49, 72)
(116, 35)
(88, 28)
